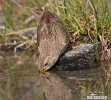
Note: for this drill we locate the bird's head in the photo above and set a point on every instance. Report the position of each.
(46, 63)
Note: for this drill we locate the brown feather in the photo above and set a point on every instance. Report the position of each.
(52, 40)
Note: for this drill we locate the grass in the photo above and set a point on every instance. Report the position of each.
(87, 21)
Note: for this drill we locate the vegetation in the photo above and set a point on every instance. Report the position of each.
(88, 21)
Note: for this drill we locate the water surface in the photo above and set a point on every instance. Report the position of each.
(20, 80)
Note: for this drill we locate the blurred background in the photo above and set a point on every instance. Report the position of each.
(88, 21)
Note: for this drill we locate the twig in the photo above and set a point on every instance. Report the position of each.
(2, 27)
(31, 30)
(29, 19)
(19, 5)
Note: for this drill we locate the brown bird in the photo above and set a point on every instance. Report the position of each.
(52, 39)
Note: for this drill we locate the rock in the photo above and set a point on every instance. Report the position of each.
(82, 57)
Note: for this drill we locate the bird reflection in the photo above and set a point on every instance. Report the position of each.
(54, 88)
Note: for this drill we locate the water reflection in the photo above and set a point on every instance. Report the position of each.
(20, 80)
(54, 88)
(45, 87)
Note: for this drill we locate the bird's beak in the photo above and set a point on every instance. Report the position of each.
(43, 70)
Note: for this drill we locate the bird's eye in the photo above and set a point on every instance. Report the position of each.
(46, 64)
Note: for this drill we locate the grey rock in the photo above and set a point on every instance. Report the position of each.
(81, 57)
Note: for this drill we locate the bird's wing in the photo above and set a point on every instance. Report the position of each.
(61, 35)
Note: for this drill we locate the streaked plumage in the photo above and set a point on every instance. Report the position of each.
(52, 40)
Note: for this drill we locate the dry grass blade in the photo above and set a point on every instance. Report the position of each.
(31, 30)
(106, 52)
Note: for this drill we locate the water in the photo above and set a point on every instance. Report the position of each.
(20, 80)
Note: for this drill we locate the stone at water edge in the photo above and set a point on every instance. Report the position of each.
(81, 57)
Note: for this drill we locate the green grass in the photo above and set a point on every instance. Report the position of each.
(86, 20)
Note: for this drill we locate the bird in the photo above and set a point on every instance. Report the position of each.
(52, 39)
